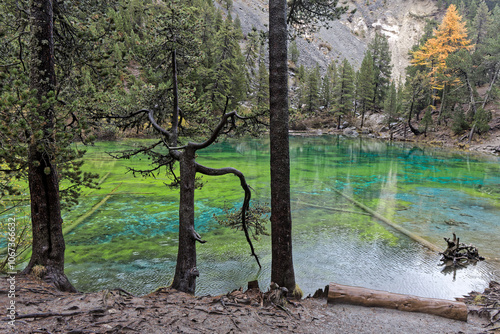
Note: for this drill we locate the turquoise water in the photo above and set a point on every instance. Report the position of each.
(131, 241)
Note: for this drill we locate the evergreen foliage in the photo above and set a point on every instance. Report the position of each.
(294, 51)
(366, 85)
(80, 72)
(379, 49)
(306, 16)
(344, 91)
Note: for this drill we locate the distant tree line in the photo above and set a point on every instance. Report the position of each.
(453, 59)
(343, 92)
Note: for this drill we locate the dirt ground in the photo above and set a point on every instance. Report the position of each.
(39, 308)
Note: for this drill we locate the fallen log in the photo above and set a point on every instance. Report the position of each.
(344, 294)
(401, 229)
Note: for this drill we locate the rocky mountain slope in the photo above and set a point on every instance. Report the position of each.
(402, 21)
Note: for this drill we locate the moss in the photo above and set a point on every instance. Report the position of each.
(39, 271)
(479, 299)
(297, 292)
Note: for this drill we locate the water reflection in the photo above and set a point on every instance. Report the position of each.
(429, 192)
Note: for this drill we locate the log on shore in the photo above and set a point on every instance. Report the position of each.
(344, 294)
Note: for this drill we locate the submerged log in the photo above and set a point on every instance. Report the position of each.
(343, 294)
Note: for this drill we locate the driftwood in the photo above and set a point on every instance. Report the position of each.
(487, 304)
(459, 254)
(343, 294)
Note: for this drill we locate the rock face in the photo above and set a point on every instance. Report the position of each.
(402, 21)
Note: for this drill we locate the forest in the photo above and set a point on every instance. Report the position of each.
(456, 57)
(185, 75)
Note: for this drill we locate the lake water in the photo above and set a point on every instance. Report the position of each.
(130, 241)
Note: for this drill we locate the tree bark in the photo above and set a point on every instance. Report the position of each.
(338, 293)
(282, 272)
(48, 241)
(492, 83)
(175, 113)
(185, 270)
(415, 131)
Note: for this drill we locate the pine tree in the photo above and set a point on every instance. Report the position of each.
(282, 270)
(311, 95)
(480, 25)
(392, 106)
(226, 79)
(365, 85)
(294, 51)
(262, 89)
(251, 52)
(326, 91)
(381, 55)
(344, 92)
(491, 54)
(46, 58)
(426, 120)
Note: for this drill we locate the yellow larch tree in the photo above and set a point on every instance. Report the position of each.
(450, 37)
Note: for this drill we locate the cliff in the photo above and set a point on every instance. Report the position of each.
(402, 21)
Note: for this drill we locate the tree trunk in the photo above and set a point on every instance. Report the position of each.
(282, 272)
(492, 83)
(471, 95)
(185, 270)
(415, 131)
(362, 116)
(338, 293)
(473, 105)
(48, 242)
(175, 114)
(441, 106)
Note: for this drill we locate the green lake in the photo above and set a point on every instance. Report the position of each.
(130, 241)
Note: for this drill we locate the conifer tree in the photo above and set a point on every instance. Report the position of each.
(480, 25)
(262, 89)
(311, 94)
(344, 92)
(426, 120)
(251, 52)
(327, 92)
(491, 54)
(451, 36)
(294, 51)
(392, 106)
(365, 85)
(45, 64)
(381, 55)
(226, 79)
(184, 96)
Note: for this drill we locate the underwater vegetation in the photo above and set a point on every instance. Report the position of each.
(128, 238)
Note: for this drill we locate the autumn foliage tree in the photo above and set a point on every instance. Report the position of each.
(450, 37)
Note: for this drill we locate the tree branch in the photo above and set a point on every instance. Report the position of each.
(246, 203)
(216, 132)
(156, 126)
